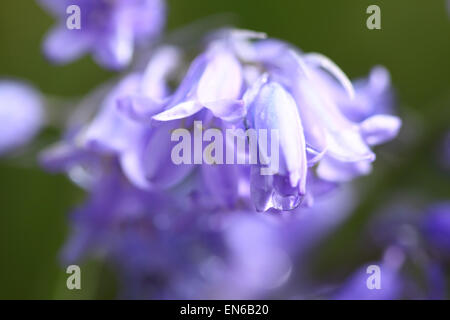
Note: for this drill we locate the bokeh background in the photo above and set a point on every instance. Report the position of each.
(413, 44)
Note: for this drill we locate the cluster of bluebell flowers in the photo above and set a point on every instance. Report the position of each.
(192, 230)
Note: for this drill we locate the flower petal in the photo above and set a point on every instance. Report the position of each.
(324, 62)
(228, 110)
(275, 109)
(162, 64)
(111, 130)
(327, 125)
(139, 108)
(63, 45)
(333, 170)
(180, 111)
(381, 128)
(159, 167)
(221, 80)
(115, 50)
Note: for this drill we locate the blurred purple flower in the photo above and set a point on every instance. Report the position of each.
(377, 281)
(166, 246)
(21, 114)
(115, 133)
(109, 29)
(423, 236)
(436, 281)
(356, 288)
(436, 226)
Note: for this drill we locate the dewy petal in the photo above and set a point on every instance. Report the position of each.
(274, 108)
(221, 80)
(381, 128)
(265, 197)
(63, 45)
(261, 190)
(180, 111)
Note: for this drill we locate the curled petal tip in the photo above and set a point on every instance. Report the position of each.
(328, 65)
(248, 34)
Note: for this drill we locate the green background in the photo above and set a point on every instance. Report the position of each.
(413, 44)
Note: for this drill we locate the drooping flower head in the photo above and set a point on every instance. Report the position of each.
(179, 229)
(21, 114)
(304, 98)
(107, 29)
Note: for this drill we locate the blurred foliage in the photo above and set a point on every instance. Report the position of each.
(413, 44)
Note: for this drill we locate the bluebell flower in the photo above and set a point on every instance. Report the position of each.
(356, 288)
(325, 127)
(436, 227)
(340, 146)
(109, 29)
(215, 82)
(421, 237)
(190, 230)
(21, 114)
(274, 108)
(114, 132)
(373, 95)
